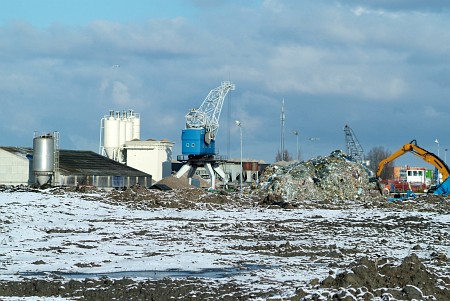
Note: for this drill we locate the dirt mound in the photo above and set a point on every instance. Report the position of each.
(372, 278)
(174, 182)
(325, 178)
(182, 198)
(123, 289)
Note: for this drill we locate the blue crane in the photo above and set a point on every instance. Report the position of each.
(199, 137)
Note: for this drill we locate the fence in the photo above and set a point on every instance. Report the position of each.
(105, 181)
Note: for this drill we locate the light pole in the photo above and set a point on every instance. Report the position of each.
(437, 171)
(296, 134)
(238, 123)
(437, 141)
(445, 155)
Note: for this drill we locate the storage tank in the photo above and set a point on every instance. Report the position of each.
(43, 158)
(136, 126)
(129, 126)
(122, 129)
(111, 134)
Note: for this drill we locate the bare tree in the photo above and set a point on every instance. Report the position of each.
(286, 157)
(375, 156)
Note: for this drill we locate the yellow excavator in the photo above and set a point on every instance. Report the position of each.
(441, 189)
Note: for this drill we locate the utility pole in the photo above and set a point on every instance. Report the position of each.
(239, 124)
(282, 118)
(296, 134)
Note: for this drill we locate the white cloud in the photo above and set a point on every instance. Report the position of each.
(320, 54)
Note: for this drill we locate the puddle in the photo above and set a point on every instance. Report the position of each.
(155, 274)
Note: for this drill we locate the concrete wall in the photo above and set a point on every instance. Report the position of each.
(15, 169)
(152, 157)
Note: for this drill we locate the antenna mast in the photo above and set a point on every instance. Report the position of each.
(282, 118)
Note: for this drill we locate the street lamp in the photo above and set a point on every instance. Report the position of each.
(296, 134)
(437, 141)
(437, 171)
(445, 155)
(238, 123)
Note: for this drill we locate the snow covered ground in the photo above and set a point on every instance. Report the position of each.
(77, 235)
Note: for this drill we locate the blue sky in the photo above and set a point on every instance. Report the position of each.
(79, 13)
(382, 67)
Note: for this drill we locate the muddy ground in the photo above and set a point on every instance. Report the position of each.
(388, 252)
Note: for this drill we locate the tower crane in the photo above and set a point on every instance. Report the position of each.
(199, 137)
(354, 148)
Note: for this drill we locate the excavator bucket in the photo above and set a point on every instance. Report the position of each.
(376, 180)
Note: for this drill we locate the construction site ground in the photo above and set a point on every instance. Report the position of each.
(271, 243)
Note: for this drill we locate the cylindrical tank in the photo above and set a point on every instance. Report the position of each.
(122, 129)
(43, 158)
(136, 127)
(247, 165)
(129, 129)
(111, 132)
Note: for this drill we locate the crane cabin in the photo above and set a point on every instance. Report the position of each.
(194, 144)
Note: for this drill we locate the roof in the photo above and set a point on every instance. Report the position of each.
(79, 162)
(18, 151)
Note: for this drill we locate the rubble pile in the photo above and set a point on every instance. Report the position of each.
(370, 279)
(326, 178)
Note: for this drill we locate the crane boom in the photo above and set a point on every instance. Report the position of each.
(354, 148)
(208, 114)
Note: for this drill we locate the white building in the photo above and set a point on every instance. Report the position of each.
(120, 141)
(15, 166)
(151, 156)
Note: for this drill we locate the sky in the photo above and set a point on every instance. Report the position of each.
(380, 67)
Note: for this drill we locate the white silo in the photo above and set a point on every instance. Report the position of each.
(43, 158)
(122, 128)
(129, 126)
(136, 126)
(111, 134)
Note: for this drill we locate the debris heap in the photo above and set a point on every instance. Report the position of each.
(333, 177)
(379, 279)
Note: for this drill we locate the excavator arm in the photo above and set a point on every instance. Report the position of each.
(420, 152)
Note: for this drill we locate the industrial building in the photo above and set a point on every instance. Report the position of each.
(123, 159)
(45, 163)
(120, 141)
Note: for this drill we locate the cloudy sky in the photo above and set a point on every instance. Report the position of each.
(380, 66)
